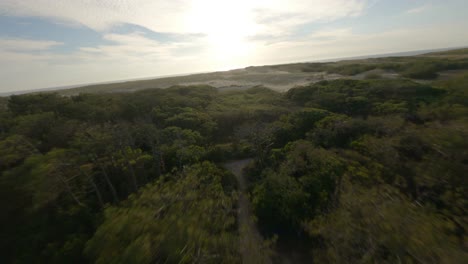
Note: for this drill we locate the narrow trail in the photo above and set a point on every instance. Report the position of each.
(252, 246)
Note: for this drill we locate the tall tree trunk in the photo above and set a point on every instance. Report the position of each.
(132, 175)
(69, 190)
(95, 187)
(109, 183)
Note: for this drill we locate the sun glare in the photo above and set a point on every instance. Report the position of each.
(227, 27)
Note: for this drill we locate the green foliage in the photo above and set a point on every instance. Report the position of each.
(351, 69)
(228, 151)
(299, 189)
(457, 88)
(389, 107)
(338, 131)
(452, 52)
(36, 103)
(35, 126)
(191, 119)
(363, 98)
(373, 76)
(381, 225)
(48, 221)
(423, 67)
(340, 68)
(421, 70)
(182, 218)
(296, 125)
(13, 150)
(279, 203)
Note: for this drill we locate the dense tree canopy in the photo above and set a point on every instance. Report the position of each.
(354, 170)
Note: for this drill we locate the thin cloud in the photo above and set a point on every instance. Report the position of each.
(347, 42)
(183, 16)
(327, 34)
(27, 45)
(419, 9)
(137, 46)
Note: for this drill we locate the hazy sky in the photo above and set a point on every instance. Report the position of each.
(46, 43)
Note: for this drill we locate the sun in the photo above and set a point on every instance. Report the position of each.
(227, 27)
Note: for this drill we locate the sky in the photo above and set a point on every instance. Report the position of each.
(50, 43)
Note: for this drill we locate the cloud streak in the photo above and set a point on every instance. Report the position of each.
(419, 9)
(27, 45)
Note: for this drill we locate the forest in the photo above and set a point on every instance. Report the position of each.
(348, 170)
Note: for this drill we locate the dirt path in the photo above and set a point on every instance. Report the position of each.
(252, 247)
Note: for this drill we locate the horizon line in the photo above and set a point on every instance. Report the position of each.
(336, 59)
